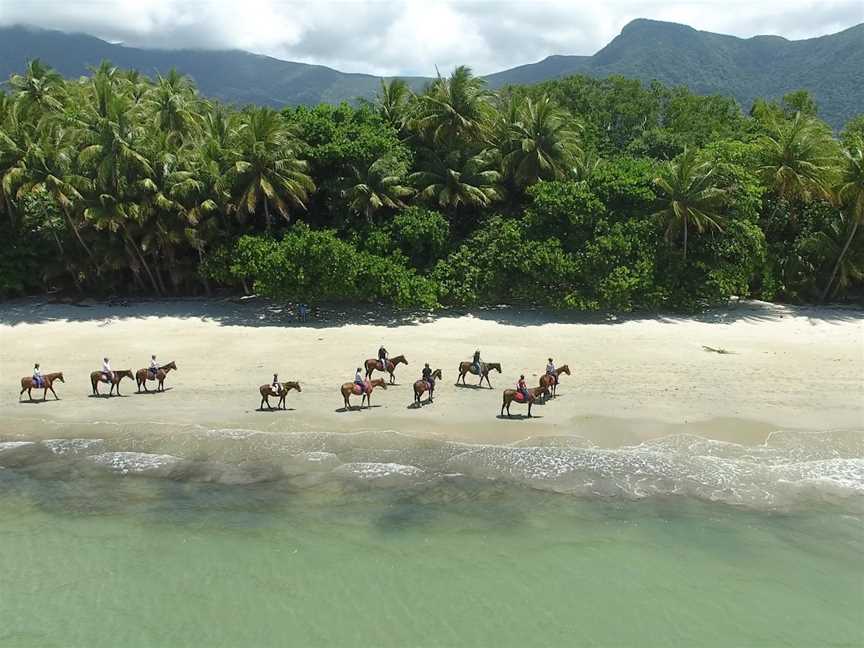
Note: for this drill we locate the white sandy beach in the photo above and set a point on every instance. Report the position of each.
(632, 378)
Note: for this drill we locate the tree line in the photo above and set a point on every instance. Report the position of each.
(577, 193)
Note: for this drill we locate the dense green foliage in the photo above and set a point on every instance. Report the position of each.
(574, 194)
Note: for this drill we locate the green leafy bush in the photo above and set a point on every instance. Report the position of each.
(318, 266)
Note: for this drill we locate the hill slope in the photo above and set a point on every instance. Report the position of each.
(763, 66)
(230, 75)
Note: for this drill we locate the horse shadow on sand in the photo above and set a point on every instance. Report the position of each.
(355, 408)
(273, 410)
(422, 403)
(37, 401)
(150, 392)
(517, 417)
(108, 395)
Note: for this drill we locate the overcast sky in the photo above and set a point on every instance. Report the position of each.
(412, 36)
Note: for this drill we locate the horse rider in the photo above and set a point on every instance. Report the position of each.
(550, 371)
(358, 380)
(154, 367)
(382, 357)
(522, 388)
(427, 376)
(477, 363)
(106, 371)
(38, 379)
(276, 386)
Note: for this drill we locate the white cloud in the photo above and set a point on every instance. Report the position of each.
(412, 36)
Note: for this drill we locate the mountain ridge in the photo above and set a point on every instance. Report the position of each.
(676, 54)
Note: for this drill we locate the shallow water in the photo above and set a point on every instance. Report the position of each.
(211, 537)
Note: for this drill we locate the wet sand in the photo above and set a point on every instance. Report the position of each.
(633, 378)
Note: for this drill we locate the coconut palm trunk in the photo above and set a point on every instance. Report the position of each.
(826, 291)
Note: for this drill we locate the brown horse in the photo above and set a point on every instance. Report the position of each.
(348, 389)
(552, 383)
(47, 383)
(372, 365)
(485, 368)
(267, 391)
(97, 376)
(510, 396)
(421, 386)
(143, 375)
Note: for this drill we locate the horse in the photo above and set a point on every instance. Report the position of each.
(47, 383)
(421, 386)
(349, 387)
(485, 368)
(267, 391)
(510, 396)
(97, 376)
(372, 365)
(143, 375)
(547, 381)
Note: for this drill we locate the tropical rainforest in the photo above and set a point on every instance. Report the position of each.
(578, 193)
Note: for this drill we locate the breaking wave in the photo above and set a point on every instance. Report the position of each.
(788, 469)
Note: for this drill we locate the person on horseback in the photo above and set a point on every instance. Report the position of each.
(106, 371)
(382, 358)
(358, 380)
(476, 363)
(522, 388)
(276, 386)
(427, 376)
(38, 379)
(550, 371)
(154, 367)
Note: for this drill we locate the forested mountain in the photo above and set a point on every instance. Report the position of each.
(232, 76)
(828, 67)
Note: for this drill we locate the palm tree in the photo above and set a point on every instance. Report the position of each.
(392, 102)
(453, 181)
(39, 89)
(114, 155)
(375, 187)
(798, 159)
(454, 110)
(542, 142)
(266, 169)
(691, 197)
(851, 196)
(835, 242)
(48, 166)
(172, 100)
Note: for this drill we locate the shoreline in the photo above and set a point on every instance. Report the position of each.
(635, 377)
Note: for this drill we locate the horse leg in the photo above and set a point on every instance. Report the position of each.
(51, 387)
(392, 378)
(530, 402)
(23, 389)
